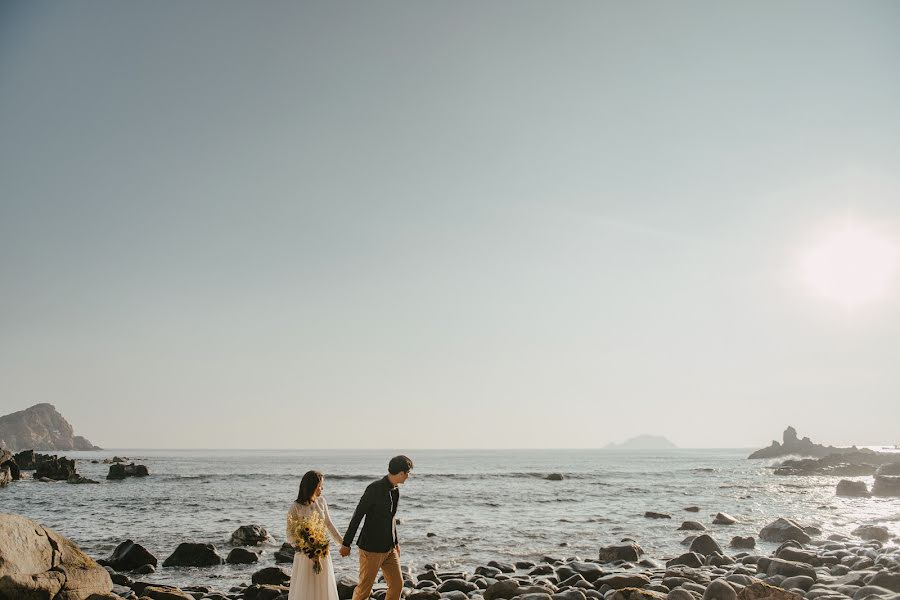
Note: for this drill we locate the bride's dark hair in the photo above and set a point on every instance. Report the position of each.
(308, 485)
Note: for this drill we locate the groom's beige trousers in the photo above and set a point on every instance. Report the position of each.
(369, 564)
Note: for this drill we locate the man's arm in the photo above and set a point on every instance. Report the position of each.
(365, 503)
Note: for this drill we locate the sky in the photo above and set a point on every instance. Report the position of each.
(451, 225)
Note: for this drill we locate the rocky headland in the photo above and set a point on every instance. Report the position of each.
(42, 427)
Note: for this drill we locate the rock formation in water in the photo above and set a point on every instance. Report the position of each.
(40, 427)
(792, 445)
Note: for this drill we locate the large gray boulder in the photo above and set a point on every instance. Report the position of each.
(250, 535)
(848, 487)
(887, 480)
(782, 530)
(624, 551)
(129, 556)
(39, 563)
(189, 554)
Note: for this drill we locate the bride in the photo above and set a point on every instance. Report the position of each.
(305, 583)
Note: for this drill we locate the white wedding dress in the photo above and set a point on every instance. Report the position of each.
(306, 584)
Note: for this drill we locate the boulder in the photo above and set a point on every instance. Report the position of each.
(634, 593)
(271, 576)
(847, 487)
(250, 535)
(56, 468)
(345, 587)
(764, 591)
(872, 532)
(691, 526)
(719, 589)
(5, 476)
(782, 530)
(688, 559)
(510, 588)
(161, 592)
(189, 554)
(887, 480)
(655, 515)
(554, 477)
(129, 556)
(121, 471)
(705, 545)
(618, 581)
(37, 562)
(743, 542)
(285, 554)
(503, 567)
(241, 556)
(789, 568)
(692, 508)
(625, 551)
(8, 463)
(724, 519)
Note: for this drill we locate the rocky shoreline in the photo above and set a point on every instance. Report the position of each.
(802, 567)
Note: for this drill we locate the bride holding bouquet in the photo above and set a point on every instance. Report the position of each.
(308, 529)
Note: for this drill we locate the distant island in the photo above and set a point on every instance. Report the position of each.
(40, 427)
(643, 442)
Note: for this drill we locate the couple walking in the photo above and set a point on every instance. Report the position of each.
(309, 525)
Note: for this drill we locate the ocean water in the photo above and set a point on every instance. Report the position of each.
(479, 505)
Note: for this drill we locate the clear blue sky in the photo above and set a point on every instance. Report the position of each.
(483, 224)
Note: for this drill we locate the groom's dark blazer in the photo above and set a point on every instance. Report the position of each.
(379, 506)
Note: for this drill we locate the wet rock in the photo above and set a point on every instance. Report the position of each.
(688, 559)
(189, 554)
(56, 468)
(285, 554)
(457, 585)
(241, 556)
(692, 526)
(764, 591)
(634, 593)
(144, 570)
(554, 477)
(129, 556)
(705, 545)
(887, 480)
(121, 471)
(160, 592)
(510, 588)
(719, 589)
(346, 586)
(782, 530)
(872, 532)
(502, 566)
(590, 571)
(801, 582)
(681, 594)
(656, 515)
(724, 519)
(271, 576)
(797, 555)
(847, 487)
(624, 551)
(431, 594)
(265, 592)
(789, 568)
(692, 508)
(743, 542)
(618, 581)
(250, 535)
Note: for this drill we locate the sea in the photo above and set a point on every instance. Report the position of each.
(459, 509)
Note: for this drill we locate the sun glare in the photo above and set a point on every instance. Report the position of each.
(851, 265)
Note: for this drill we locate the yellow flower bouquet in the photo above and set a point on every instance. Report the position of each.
(311, 538)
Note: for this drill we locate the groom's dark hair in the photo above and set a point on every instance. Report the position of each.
(400, 464)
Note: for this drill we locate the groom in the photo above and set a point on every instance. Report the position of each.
(379, 547)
